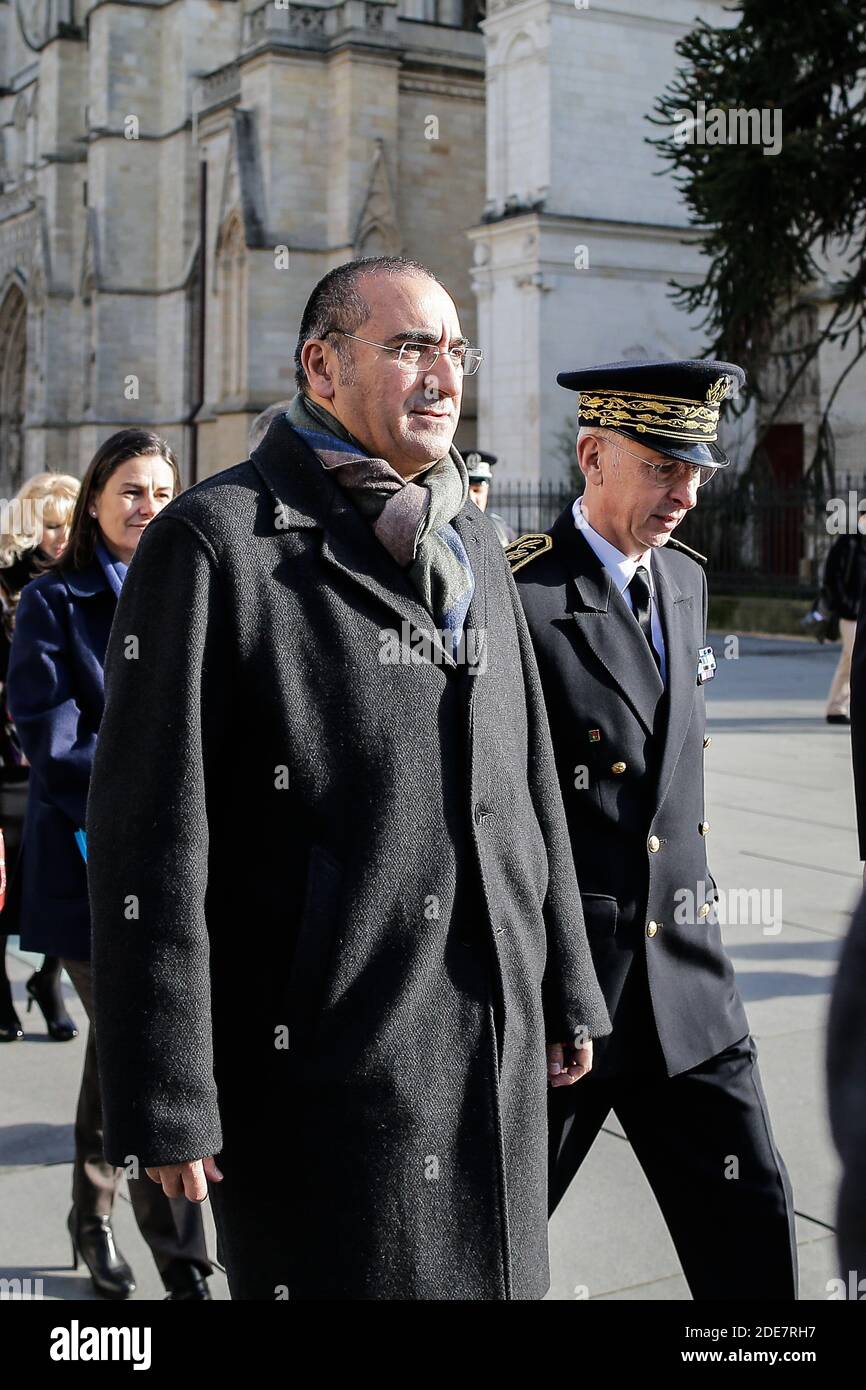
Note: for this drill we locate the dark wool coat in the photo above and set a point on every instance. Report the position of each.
(366, 859)
(858, 726)
(55, 695)
(846, 1077)
(843, 577)
(630, 757)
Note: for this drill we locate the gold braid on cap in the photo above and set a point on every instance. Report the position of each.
(693, 422)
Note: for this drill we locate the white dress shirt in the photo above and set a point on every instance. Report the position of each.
(621, 570)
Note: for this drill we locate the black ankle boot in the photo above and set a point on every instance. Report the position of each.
(93, 1239)
(10, 1023)
(46, 992)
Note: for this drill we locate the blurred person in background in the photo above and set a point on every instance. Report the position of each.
(479, 466)
(56, 696)
(841, 587)
(33, 532)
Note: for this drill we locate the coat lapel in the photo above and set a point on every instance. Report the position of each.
(306, 497)
(606, 623)
(675, 609)
(469, 528)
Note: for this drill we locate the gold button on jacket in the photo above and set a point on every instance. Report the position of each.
(707, 740)
(654, 844)
(704, 910)
(704, 827)
(617, 768)
(652, 928)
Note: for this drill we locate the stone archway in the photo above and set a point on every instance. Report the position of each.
(13, 359)
(231, 253)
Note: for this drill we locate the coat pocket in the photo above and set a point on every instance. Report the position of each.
(599, 912)
(315, 943)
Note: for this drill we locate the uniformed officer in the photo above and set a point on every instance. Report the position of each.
(479, 466)
(617, 610)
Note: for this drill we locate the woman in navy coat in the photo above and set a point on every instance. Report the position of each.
(56, 693)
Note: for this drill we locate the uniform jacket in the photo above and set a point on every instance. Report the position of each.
(338, 918)
(630, 764)
(55, 695)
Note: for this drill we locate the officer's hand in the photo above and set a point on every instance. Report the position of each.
(567, 1064)
(186, 1179)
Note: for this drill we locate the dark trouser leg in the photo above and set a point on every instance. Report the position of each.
(94, 1181)
(705, 1143)
(172, 1226)
(575, 1114)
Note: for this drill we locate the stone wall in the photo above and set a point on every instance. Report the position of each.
(311, 122)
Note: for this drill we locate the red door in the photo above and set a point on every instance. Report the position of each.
(782, 530)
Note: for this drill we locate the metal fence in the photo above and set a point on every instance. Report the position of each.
(758, 536)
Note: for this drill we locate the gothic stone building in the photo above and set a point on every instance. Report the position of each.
(176, 174)
(175, 178)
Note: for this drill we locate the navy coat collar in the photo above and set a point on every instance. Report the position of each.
(87, 582)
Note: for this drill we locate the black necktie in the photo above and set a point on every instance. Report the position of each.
(640, 595)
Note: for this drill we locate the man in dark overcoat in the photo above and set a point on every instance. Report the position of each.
(846, 1084)
(617, 611)
(337, 904)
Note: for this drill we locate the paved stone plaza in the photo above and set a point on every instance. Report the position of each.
(780, 804)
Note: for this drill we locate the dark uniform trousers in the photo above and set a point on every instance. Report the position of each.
(704, 1142)
(172, 1226)
(679, 1069)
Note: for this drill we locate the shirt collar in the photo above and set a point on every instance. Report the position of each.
(620, 567)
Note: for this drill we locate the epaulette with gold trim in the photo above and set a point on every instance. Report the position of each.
(527, 548)
(687, 550)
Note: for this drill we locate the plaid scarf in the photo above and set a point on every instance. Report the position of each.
(412, 520)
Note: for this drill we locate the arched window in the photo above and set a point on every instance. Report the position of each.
(13, 362)
(36, 347)
(17, 140)
(88, 342)
(232, 291)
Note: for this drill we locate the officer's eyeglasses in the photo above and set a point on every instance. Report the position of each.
(422, 357)
(676, 471)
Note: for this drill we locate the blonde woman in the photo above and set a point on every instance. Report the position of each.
(34, 528)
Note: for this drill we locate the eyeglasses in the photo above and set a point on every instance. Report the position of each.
(422, 357)
(677, 471)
